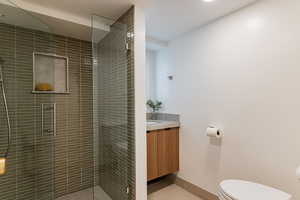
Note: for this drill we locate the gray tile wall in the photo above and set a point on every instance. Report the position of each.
(45, 167)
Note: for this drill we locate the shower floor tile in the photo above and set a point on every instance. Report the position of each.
(87, 195)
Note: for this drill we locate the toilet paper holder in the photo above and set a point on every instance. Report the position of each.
(213, 131)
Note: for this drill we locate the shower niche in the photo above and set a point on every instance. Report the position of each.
(50, 73)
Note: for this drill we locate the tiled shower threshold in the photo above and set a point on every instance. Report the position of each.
(87, 194)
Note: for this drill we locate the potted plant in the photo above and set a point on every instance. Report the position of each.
(154, 105)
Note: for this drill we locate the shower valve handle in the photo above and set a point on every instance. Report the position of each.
(48, 131)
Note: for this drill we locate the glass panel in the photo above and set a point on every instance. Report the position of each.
(30, 160)
(111, 116)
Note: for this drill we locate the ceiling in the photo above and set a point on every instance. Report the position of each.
(66, 17)
(165, 19)
(111, 9)
(168, 19)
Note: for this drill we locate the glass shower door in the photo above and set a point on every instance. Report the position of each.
(113, 133)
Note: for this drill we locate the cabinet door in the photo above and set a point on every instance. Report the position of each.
(168, 151)
(152, 170)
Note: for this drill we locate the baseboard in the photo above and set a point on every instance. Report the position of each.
(160, 183)
(195, 189)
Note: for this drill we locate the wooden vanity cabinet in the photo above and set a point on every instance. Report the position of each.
(162, 152)
(152, 164)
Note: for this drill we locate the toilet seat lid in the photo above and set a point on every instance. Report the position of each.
(243, 190)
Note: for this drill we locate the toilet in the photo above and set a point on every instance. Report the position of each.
(243, 190)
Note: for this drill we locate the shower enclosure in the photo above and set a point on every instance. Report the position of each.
(71, 109)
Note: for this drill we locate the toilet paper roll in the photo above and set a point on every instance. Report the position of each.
(213, 132)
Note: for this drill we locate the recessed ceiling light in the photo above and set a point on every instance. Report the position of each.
(208, 0)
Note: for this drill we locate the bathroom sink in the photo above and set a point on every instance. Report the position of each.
(161, 124)
(153, 122)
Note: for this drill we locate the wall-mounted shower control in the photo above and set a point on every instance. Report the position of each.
(48, 122)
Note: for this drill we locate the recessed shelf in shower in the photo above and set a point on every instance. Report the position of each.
(50, 73)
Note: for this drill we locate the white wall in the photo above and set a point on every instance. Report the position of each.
(150, 74)
(140, 99)
(240, 73)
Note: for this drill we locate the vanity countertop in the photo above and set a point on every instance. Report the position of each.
(153, 125)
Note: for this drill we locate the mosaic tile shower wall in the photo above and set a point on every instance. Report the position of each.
(43, 167)
(116, 110)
